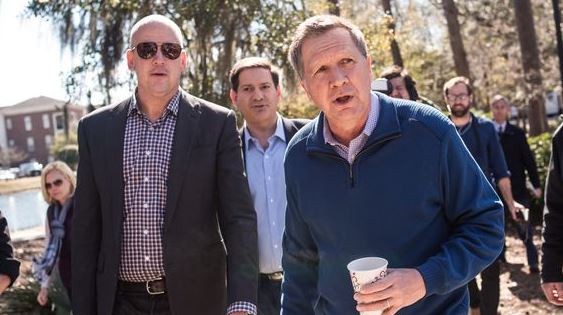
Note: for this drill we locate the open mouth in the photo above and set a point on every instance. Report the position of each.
(341, 100)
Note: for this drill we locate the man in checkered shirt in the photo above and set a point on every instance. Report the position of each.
(161, 196)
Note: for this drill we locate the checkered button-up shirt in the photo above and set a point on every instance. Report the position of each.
(146, 157)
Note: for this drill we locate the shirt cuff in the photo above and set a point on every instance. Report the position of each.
(238, 306)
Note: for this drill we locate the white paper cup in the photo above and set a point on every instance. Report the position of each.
(367, 270)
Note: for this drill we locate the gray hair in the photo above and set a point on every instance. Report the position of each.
(498, 98)
(318, 25)
(156, 19)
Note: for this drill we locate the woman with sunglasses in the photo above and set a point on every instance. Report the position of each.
(57, 185)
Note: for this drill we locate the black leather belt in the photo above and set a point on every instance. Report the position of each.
(151, 287)
(276, 276)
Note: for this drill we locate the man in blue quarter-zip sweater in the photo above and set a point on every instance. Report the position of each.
(481, 139)
(354, 190)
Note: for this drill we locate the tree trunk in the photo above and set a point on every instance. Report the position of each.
(531, 65)
(557, 19)
(334, 7)
(395, 51)
(456, 42)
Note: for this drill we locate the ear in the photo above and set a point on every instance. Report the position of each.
(233, 95)
(369, 65)
(130, 59)
(278, 91)
(184, 60)
(305, 89)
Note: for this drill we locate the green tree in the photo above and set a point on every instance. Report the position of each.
(216, 33)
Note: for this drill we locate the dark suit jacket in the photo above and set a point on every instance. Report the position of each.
(8, 265)
(290, 127)
(519, 159)
(209, 213)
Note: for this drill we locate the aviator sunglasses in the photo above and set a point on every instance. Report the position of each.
(147, 50)
(56, 182)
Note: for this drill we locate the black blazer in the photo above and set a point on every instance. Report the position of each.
(8, 265)
(519, 160)
(290, 127)
(209, 213)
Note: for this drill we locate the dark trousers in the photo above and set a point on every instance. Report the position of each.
(488, 298)
(526, 234)
(269, 296)
(138, 303)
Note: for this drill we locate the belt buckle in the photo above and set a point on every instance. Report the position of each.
(148, 286)
(276, 276)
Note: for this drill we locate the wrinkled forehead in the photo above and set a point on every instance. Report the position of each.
(156, 31)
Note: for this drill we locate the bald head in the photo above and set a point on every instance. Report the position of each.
(155, 19)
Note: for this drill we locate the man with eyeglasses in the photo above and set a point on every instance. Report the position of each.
(162, 196)
(480, 137)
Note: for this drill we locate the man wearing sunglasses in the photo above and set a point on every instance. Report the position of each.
(480, 137)
(162, 197)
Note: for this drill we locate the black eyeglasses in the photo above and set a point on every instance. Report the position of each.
(461, 97)
(56, 182)
(147, 50)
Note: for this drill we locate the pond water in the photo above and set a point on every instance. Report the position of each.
(25, 212)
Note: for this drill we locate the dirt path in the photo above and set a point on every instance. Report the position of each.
(520, 291)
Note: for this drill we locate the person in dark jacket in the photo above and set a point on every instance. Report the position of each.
(403, 85)
(552, 262)
(480, 137)
(9, 267)
(57, 185)
(520, 161)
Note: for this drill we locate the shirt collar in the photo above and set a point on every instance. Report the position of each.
(279, 132)
(371, 122)
(171, 108)
(499, 127)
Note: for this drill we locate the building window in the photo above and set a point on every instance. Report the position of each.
(11, 143)
(59, 123)
(27, 122)
(48, 141)
(8, 123)
(46, 122)
(30, 144)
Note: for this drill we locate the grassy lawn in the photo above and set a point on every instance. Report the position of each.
(19, 184)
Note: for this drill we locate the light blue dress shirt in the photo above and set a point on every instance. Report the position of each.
(266, 179)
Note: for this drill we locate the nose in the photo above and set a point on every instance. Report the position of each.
(258, 95)
(158, 57)
(338, 77)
